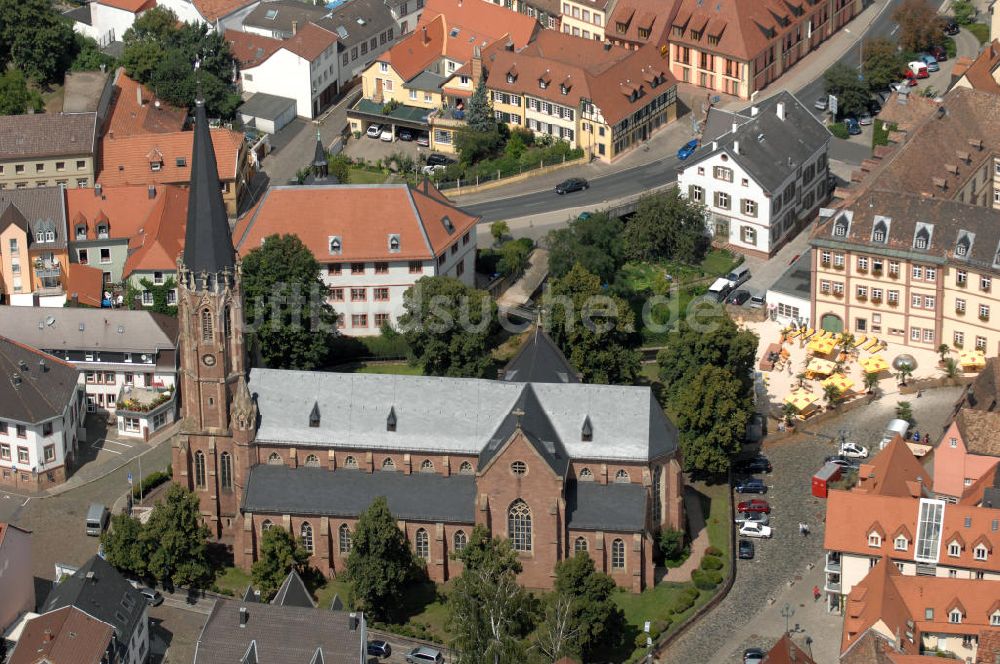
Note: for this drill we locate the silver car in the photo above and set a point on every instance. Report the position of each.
(424, 655)
(753, 517)
(821, 103)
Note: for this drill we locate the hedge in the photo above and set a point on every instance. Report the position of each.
(152, 481)
(710, 563)
(702, 581)
(683, 601)
(713, 551)
(839, 130)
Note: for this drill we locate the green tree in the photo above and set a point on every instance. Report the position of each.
(595, 242)
(288, 316)
(479, 113)
(177, 540)
(722, 345)
(831, 395)
(919, 25)
(499, 230)
(36, 38)
(514, 258)
(124, 547)
(904, 372)
(841, 80)
(667, 226)
(671, 543)
(158, 24)
(449, 326)
(489, 613)
(871, 382)
(593, 615)
(381, 562)
(904, 411)
(339, 166)
(712, 412)
(475, 146)
(15, 95)
(883, 63)
(595, 330)
(89, 56)
(964, 11)
(280, 553)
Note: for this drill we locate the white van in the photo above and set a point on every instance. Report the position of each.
(97, 519)
(891, 429)
(720, 288)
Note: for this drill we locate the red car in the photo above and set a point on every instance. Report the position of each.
(754, 505)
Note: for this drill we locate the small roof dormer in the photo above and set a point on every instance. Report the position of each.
(922, 236)
(963, 246)
(587, 430)
(314, 416)
(880, 229)
(842, 226)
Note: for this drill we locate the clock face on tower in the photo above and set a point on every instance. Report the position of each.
(209, 360)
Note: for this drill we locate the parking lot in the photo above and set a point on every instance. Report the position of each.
(750, 614)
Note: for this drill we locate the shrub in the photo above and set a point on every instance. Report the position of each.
(839, 130)
(701, 580)
(151, 481)
(714, 576)
(713, 551)
(671, 543)
(710, 563)
(661, 626)
(640, 639)
(691, 592)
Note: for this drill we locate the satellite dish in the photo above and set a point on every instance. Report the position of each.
(50, 320)
(144, 358)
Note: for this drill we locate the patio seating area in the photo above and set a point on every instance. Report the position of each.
(806, 371)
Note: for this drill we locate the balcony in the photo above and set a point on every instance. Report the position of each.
(832, 563)
(832, 586)
(47, 267)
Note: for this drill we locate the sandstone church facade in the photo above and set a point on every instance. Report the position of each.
(555, 465)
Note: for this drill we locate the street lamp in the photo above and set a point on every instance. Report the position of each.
(787, 611)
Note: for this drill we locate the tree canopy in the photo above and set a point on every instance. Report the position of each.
(162, 53)
(667, 226)
(919, 25)
(842, 82)
(596, 330)
(449, 327)
(287, 314)
(123, 545)
(595, 242)
(280, 553)
(15, 95)
(479, 113)
(712, 412)
(883, 63)
(381, 562)
(36, 39)
(690, 348)
(585, 597)
(176, 541)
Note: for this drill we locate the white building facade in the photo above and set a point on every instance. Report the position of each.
(108, 22)
(310, 82)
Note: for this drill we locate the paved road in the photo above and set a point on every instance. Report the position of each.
(721, 636)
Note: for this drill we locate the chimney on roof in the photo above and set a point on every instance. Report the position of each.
(138, 95)
(295, 27)
(736, 147)
(98, 189)
(477, 65)
(735, 126)
(781, 110)
(715, 146)
(151, 192)
(425, 40)
(352, 621)
(244, 616)
(951, 168)
(754, 111)
(976, 143)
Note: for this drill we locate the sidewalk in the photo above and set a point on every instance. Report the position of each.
(667, 140)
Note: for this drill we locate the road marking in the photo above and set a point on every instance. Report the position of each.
(894, 31)
(115, 442)
(26, 500)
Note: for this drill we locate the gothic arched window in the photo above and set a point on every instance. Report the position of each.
(226, 470)
(344, 533)
(306, 533)
(423, 544)
(199, 469)
(519, 525)
(206, 325)
(461, 541)
(618, 554)
(312, 461)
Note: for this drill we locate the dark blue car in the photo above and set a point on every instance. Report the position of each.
(753, 485)
(688, 149)
(853, 126)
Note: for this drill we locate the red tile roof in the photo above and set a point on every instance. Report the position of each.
(161, 239)
(127, 160)
(652, 15)
(418, 50)
(134, 6)
(250, 49)
(362, 216)
(64, 636)
(980, 72)
(894, 471)
(744, 27)
(213, 9)
(477, 23)
(309, 41)
(151, 116)
(785, 651)
(84, 284)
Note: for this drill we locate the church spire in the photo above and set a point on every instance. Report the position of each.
(208, 244)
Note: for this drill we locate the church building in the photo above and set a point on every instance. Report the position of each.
(555, 465)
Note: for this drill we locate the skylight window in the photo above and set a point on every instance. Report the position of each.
(271, 14)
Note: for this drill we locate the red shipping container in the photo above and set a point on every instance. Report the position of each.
(828, 473)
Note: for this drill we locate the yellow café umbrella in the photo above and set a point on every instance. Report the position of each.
(800, 399)
(840, 381)
(818, 365)
(972, 358)
(822, 346)
(874, 364)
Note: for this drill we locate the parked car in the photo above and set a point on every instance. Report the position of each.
(752, 485)
(843, 462)
(874, 106)
(423, 140)
(821, 103)
(938, 52)
(374, 131)
(866, 119)
(739, 275)
(752, 517)
(405, 135)
(754, 505)
(739, 297)
(853, 451)
(918, 68)
(423, 654)
(386, 135)
(437, 159)
(151, 595)
(745, 548)
(753, 656)
(951, 27)
(759, 464)
(753, 529)
(930, 61)
(688, 149)
(853, 126)
(571, 185)
(379, 649)
(757, 301)
(431, 170)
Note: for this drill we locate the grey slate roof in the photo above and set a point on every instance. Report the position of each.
(426, 80)
(106, 595)
(287, 11)
(797, 279)
(343, 20)
(453, 415)
(141, 331)
(617, 507)
(43, 392)
(277, 635)
(539, 360)
(47, 135)
(293, 592)
(347, 493)
(81, 14)
(42, 208)
(208, 246)
(529, 414)
(770, 148)
(263, 105)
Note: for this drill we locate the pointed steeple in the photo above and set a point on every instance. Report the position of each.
(208, 244)
(244, 408)
(319, 157)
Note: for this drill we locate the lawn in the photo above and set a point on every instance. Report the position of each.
(719, 518)
(362, 176)
(232, 581)
(396, 368)
(980, 31)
